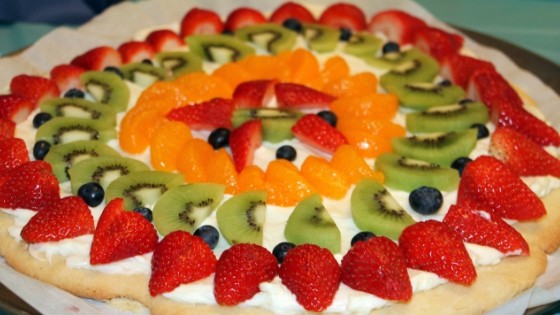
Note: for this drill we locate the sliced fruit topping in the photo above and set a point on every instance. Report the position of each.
(164, 40)
(320, 38)
(107, 88)
(7, 127)
(67, 77)
(62, 130)
(201, 21)
(220, 49)
(362, 44)
(207, 115)
(291, 10)
(241, 218)
(421, 95)
(13, 153)
(98, 58)
(36, 88)
(317, 133)
(459, 68)
(297, 96)
(78, 108)
(347, 160)
(276, 123)
(271, 37)
(243, 16)
(251, 178)
(220, 169)
(142, 73)
(178, 63)
(166, 142)
(397, 25)
(15, 108)
(344, 15)
(492, 89)
(243, 142)
(254, 94)
(192, 160)
(285, 185)
(447, 118)
(437, 42)
(135, 51)
(328, 180)
(421, 68)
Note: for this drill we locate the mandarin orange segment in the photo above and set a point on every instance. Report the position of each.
(285, 185)
(165, 144)
(136, 130)
(372, 126)
(251, 178)
(199, 87)
(348, 161)
(354, 85)
(304, 69)
(368, 145)
(369, 106)
(335, 69)
(221, 170)
(264, 67)
(192, 160)
(162, 96)
(232, 73)
(328, 181)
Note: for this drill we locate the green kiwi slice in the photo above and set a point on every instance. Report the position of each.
(272, 37)
(219, 48)
(185, 207)
(107, 88)
(423, 95)
(320, 38)
(391, 59)
(241, 218)
(420, 68)
(311, 223)
(177, 63)
(447, 118)
(68, 129)
(363, 44)
(79, 108)
(143, 74)
(375, 210)
(406, 174)
(276, 123)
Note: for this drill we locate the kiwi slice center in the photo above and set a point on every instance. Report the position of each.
(148, 191)
(420, 165)
(221, 53)
(75, 133)
(256, 215)
(265, 39)
(99, 90)
(194, 210)
(388, 204)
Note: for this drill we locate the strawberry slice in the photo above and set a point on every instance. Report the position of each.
(514, 200)
(397, 25)
(485, 228)
(98, 58)
(243, 16)
(164, 40)
(201, 21)
(135, 51)
(253, 94)
(67, 218)
(35, 88)
(317, 133)
(297, 96)
(459, 68)
(31, 185)
(377, 266)
(524, 156)
(180, 258)
(208, 115)
(121, 234)
(243, 141)
(344, 15)
(13, 153)
(432, 246)
(437, 42)
(15, 107)
(312, 274)
(67, 77)
(7, 126)
(291, 10)
(490, 87)
(240, 271)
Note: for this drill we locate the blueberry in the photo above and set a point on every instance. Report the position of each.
(148, 61)
(482, 131)
(75, 93)
(390, 47)
(445, 83)
(281, 250)
(115, 70)
(460, 163)
(92, 193)
(219, 138)
(362, 236)
(465, 101)
(286, 152)
(345, 34)
(40, 149)
(328, 116)
(209, 234)
(227, 32)
(425, 200)
(40, 119)
(293, 24)
(145, 212)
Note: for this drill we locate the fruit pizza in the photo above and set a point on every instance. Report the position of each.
(304, 159)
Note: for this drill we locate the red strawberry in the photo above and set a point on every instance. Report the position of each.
(459, 68)
(31, 185)
(491, 185)
(524, 156)
(98, 58)
(489, 87)
(344, 15)
(7, 126)
(36, 88)
(135, 51)
(377, 266)
(252, 94)
(240, 270)
(67, 218)
(293, 95)
(15, 108)
(432, 246)
(243, 16)
(201, 21)
(397, 25)
(312, 274)
(291, 10)
(13, 153)
(180, 258)
(316, 132)
(164, 40)
(121, 234)
(243, 141)
(485, 228)
(67, 77)
(437, 42)
(206, 115)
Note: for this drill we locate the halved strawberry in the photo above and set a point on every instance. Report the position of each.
(491, 88)
(135, 51)
(432, 246)
(459, 68)
(317, 133)
(297, 96)
(164, 40)
(208, 115)
(243, 141)
(481, 227)
(377, 266)
(344, 15)
(291, 10)
(98, 58)
(35, 88)
(513, 200)
(13, 153)
(67, 218)
(201, 21)
(397, 25)
(243, 16)
(15, 108)
(180, 258)
(67, 77)
(437, 42)
(121, 234)
(7, 126)
(253, 94)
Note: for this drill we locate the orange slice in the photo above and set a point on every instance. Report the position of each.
(162, 96)
(192, 160)
(369, 106)
(335, 69)
(326, 179)
(165, 144)
(355, 85)
(285, 185)
(232, 73)
(348, 161)
(136, 130)
(251, 178)
(264, 67)
(199, 87)
(372, 126)
(368, 145)
(304, 69)
(221, 170)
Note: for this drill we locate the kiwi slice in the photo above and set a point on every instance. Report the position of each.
(241, 218)
(391, 59)
(79, 108)
(406, 174)
(447, 118)
(142, 74)
(276, 123)
(63, 156)
(219, 48)
(185, 207)
(107, 88)
(423, 95)
(375, 210)
(67, 129)
(272, 37)
(177, 63)
(363, 44)
(311, 223)
(320, 38)
(142, 189)
(439, 148)
(102, 170)
(420, 68)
